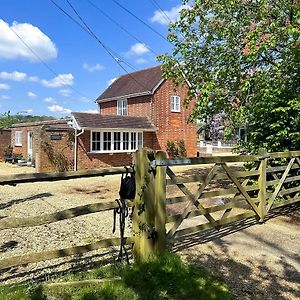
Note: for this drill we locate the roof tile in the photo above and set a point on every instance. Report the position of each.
(143, 81)
(86, 120)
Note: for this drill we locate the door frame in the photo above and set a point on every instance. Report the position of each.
(29, 145)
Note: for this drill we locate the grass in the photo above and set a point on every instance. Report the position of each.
(164, 278)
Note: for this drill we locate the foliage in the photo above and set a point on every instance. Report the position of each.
(214, 128)
(176, 151)
(8, 151)
(7, 120)
(166, 277)
(172, 149)
(243, 58)
(181, 149)
(57, 158)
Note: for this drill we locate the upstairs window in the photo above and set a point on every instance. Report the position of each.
(18, 138)
(175, 103)
(122, 107)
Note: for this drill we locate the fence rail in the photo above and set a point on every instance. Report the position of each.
(10, 223)
(215, 191)
(39, 177)
(247, 193)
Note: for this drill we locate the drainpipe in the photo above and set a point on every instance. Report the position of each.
(76, 146)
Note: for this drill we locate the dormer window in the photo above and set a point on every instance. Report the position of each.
(175, 103)
(122, 107)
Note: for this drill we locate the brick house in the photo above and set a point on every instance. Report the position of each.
(35, 141)
(137, 110)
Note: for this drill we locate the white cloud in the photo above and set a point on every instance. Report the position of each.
(85, 99)
(33, 78)
(5, 97)
(166, 16)
(92, 111)
(4, 86)
(137, 49)
(31, 95)
(60, 109)
(65, 92)
(59, 81)
(15, 76)
(28, 111)
(109, 82)
(141, 61)
(89, 68)
(50, 100)
(11, 46)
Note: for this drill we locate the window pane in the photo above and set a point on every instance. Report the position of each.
(125, 140)
(122, 107)
(106, 140)
(133, 141)
(140, 140)
(18, 138)
(96, 141)
(175, 103)
(117, 140)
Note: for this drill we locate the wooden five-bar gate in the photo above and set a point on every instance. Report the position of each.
(209, 192)
(176, 198)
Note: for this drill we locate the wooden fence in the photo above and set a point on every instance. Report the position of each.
(9, 223)
(210, 192)
(170, 203)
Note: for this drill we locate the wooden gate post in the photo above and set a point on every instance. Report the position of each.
(262, 184)
(149, 211)
(160, 204)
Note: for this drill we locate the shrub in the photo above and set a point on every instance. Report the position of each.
(181, 149)
(172, 150)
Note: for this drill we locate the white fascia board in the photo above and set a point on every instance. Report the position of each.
(158, 85)
(124, 97)
(75, 125)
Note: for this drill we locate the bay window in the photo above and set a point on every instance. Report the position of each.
(116, 141)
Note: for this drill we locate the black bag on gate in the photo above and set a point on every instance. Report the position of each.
(127, 188)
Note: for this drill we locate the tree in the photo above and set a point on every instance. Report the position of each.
(241, 57)
(7, 120)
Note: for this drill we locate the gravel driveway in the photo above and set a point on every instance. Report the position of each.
(261, 260)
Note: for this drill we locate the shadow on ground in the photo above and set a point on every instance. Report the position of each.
(22, 200)
(271, 271)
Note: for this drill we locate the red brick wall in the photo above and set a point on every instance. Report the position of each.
(63, 146)
(88, 160)
(173, 126)
(5, 140)
(40, 135)
(137, 107)
(23, 149)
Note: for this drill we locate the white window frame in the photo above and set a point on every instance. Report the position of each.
(138, 141)
(18, 138)
(175, 103)
(122, 107)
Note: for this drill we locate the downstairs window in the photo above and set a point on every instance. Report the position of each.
(116, 141)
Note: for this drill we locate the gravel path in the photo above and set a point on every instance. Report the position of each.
(261, 260)
(33, 199)
(254, 259)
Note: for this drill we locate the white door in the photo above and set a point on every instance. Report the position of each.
(29, 145)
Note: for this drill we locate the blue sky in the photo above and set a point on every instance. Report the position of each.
(82, 68)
